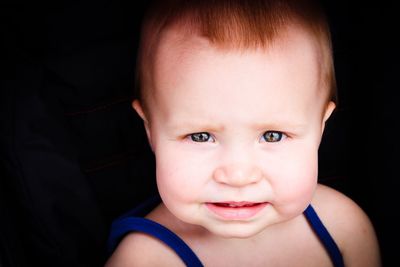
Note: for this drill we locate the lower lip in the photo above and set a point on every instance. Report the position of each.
(236, 213)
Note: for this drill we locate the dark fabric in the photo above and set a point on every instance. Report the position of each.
(73, 153)
(323, 235)
(128, 224)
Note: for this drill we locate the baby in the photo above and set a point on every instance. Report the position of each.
(234, 96)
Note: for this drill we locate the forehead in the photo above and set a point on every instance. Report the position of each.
(187, 68)
(178, 52)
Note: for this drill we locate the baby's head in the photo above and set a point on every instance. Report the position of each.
(230, 26)
(234, 95)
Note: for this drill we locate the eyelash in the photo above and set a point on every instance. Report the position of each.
(268, 136)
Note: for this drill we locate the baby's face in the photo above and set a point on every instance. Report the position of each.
(236, 134)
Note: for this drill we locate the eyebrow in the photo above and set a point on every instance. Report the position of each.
(194, 126)
(210, 127)
(279, 125)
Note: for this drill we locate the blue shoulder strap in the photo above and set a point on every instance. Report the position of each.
(128, 223)
(124, 225)
(324, 236)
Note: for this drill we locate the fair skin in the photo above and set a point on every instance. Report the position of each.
(236, 137)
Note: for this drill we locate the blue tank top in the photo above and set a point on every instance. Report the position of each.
(134, 221)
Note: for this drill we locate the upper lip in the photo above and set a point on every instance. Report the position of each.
(233, 204)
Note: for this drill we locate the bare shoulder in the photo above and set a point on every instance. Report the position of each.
(138, 249)
(349, 225)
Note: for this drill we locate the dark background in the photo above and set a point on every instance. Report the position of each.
(74, 155)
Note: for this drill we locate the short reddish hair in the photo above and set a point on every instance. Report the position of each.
(236, 24)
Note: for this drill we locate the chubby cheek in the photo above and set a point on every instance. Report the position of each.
(180, 178)
(296, 184)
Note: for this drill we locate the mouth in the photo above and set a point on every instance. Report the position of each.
(232, 210)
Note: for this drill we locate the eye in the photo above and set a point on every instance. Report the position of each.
(201, 137)
(272, 136)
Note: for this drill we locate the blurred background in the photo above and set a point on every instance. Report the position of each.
(74, 155)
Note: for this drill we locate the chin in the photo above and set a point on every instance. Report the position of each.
(238, 230)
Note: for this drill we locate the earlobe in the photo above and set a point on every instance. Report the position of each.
(138, 108)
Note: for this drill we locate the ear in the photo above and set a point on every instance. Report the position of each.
(328, 111)
(138, 108)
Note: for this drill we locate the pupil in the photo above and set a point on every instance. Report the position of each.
(272, 136)
(200, 137)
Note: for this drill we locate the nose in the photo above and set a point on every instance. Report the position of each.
(237, 175)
